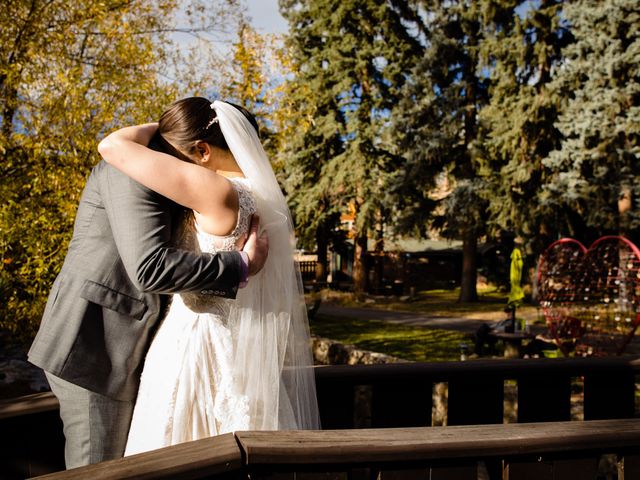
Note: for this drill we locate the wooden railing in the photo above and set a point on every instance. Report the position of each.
(394, 403)
(401, 395)
(307, 270)
(543, 451)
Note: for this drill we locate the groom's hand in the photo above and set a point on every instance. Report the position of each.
(256, 247)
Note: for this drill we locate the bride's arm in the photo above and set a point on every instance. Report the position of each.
(185, 183)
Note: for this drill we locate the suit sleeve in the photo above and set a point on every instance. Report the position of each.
(140, 220)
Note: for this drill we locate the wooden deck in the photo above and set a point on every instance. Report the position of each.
(377, 422)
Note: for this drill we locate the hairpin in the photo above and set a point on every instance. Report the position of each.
(213, 120)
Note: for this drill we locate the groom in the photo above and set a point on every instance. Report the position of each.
(108, 299)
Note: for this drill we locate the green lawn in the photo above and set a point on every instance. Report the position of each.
(413, 342)
(419, 344)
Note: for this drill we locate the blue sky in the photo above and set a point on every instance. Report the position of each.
(265, 16)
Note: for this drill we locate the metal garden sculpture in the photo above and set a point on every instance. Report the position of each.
(590, 298)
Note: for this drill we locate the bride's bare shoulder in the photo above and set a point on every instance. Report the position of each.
(221, 216)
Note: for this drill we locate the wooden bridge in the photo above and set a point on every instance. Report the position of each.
(377, 424)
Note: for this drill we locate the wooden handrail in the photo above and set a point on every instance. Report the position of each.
(201, 459)
(28, 404)
(435, 371)
(398, 396)
(537, 378)
(344, 449)
(375, 446)
(609, 369)
(505, 368)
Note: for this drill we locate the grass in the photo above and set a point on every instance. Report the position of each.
(408, 342)
(413, 342)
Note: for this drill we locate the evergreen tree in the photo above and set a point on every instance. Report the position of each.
(437, 130)
(310, 125)
(354, 57)
(522, 46)
(310, 136)
(598, 162)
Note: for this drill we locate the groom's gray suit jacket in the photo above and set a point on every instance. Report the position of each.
(107, 300)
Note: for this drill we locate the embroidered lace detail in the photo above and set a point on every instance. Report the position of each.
(216, 243)
(246, 208)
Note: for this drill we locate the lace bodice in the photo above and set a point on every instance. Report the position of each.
(209, 243)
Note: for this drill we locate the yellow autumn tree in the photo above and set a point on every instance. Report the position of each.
(262, 79)
(69, 73)
(248, 81)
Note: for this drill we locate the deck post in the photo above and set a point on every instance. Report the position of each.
(486, 407)
(609, 395)
(628, 467)
(544, 398)
(401, 404)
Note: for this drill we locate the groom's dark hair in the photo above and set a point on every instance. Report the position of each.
(192, 120)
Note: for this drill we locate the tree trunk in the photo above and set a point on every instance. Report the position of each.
(359, 273)
(378, 258)
(8, 112)
(468, 291)
(321, 261)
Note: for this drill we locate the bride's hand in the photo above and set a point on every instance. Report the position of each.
(256, 247)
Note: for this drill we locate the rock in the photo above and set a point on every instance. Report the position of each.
(17, 376)
(330, 352)
(320, 348)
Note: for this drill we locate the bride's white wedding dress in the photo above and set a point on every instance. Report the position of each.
(188, 389)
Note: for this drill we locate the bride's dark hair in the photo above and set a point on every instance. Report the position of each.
(192, 120)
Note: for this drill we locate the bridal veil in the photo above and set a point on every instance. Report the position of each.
(269, 321)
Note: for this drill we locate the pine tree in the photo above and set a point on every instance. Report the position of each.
(353, 56)
(437, 130)
(599, 158)
(310, 126)
(522, 47)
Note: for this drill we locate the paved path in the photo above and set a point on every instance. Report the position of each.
(467, 325)
(462, 324)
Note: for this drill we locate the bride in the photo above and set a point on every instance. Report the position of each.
(218, 365)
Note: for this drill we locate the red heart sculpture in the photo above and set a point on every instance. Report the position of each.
(590, 298)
